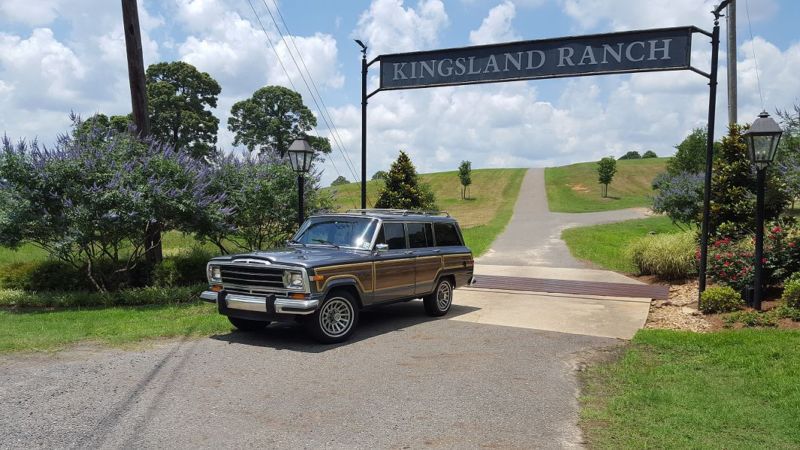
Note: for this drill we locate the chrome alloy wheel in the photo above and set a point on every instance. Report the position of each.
(444, 295)
(336, 317)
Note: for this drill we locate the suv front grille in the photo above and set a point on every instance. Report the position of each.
(255, 278)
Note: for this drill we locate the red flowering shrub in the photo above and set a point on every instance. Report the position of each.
(731, 262)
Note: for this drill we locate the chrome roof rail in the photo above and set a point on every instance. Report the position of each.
(400, 212)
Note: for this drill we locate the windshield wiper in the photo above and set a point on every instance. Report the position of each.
(323, 241)
(292, 241)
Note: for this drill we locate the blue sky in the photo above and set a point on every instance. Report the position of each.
(62, 55)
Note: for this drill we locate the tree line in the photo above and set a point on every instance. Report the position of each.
(179, 103)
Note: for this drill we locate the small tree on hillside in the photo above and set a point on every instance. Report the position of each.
(380, 175)
(403, 189)
(606, 169)
(465, 176)
(340, 180)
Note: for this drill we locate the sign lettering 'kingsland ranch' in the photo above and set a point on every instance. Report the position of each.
(635, 51)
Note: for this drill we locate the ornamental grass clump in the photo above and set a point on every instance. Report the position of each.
(791, 292)
(669, 256)
(720, 299)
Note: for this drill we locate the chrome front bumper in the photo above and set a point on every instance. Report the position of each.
(259, 304)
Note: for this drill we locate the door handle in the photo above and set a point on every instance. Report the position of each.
(409, 253)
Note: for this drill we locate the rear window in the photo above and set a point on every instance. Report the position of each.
(393, 235)
(446, 234)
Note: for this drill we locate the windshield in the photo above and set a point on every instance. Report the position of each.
(352, 232)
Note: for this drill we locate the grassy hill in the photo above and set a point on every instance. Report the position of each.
(482, 217)
(574, 188)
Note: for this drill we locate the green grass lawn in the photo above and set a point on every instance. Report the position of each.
(734, 389)
(52, 330)
(606, 245)
(173, 242)
(482, 217)
(574, 188)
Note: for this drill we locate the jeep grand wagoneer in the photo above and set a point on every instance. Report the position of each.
(337, 264)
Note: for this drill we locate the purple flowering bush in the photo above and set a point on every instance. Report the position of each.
(90, 200)
(260, 191)
(679, 196)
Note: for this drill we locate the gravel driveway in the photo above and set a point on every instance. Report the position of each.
(405, 381)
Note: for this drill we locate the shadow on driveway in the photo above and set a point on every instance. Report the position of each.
(372, 322)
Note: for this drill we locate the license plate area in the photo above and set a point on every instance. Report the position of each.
(251, 303)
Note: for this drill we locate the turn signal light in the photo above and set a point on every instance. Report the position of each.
(297, 296)
(216, 288)
(316, 277)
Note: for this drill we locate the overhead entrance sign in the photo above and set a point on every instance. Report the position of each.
(624, 52)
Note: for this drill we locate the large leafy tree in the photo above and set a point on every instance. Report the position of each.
(179, 101)
(690, 155)
(271, 119)
(402, 189)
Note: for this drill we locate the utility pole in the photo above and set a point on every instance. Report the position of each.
(133, 47)
(732, 100)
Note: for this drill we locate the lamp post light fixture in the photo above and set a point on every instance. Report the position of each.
(762, 145)
(300, 156)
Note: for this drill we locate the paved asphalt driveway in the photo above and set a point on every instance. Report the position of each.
(404, 381)
(533, 237)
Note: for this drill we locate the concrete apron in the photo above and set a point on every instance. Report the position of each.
(614, 317)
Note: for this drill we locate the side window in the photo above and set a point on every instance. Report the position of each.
(392, 234)
(446, 234)
(428, 235)
(416, 235)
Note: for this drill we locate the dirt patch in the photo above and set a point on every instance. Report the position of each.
(578, 187)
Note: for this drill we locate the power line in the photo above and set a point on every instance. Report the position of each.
(303, 77)
(753, 47)
(335, 130)
(286, 72)
(322, 110)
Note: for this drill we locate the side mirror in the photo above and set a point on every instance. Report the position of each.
(381, 247)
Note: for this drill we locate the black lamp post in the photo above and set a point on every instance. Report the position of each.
(762, 144)
(300, 156)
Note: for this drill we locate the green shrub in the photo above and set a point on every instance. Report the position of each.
(720, 299)
(751, 319)
(126, 297)
(670, 256)
(43, 276)
(184, 269)
(791, 293)
(784, 311)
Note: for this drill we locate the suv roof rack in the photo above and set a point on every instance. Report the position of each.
(399, 212)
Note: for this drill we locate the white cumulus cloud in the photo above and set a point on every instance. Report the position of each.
(496, 27)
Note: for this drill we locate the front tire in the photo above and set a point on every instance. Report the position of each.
(248, 325)
(335, 320)
(438, 303)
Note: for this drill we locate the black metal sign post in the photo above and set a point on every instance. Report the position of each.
(613, 53)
